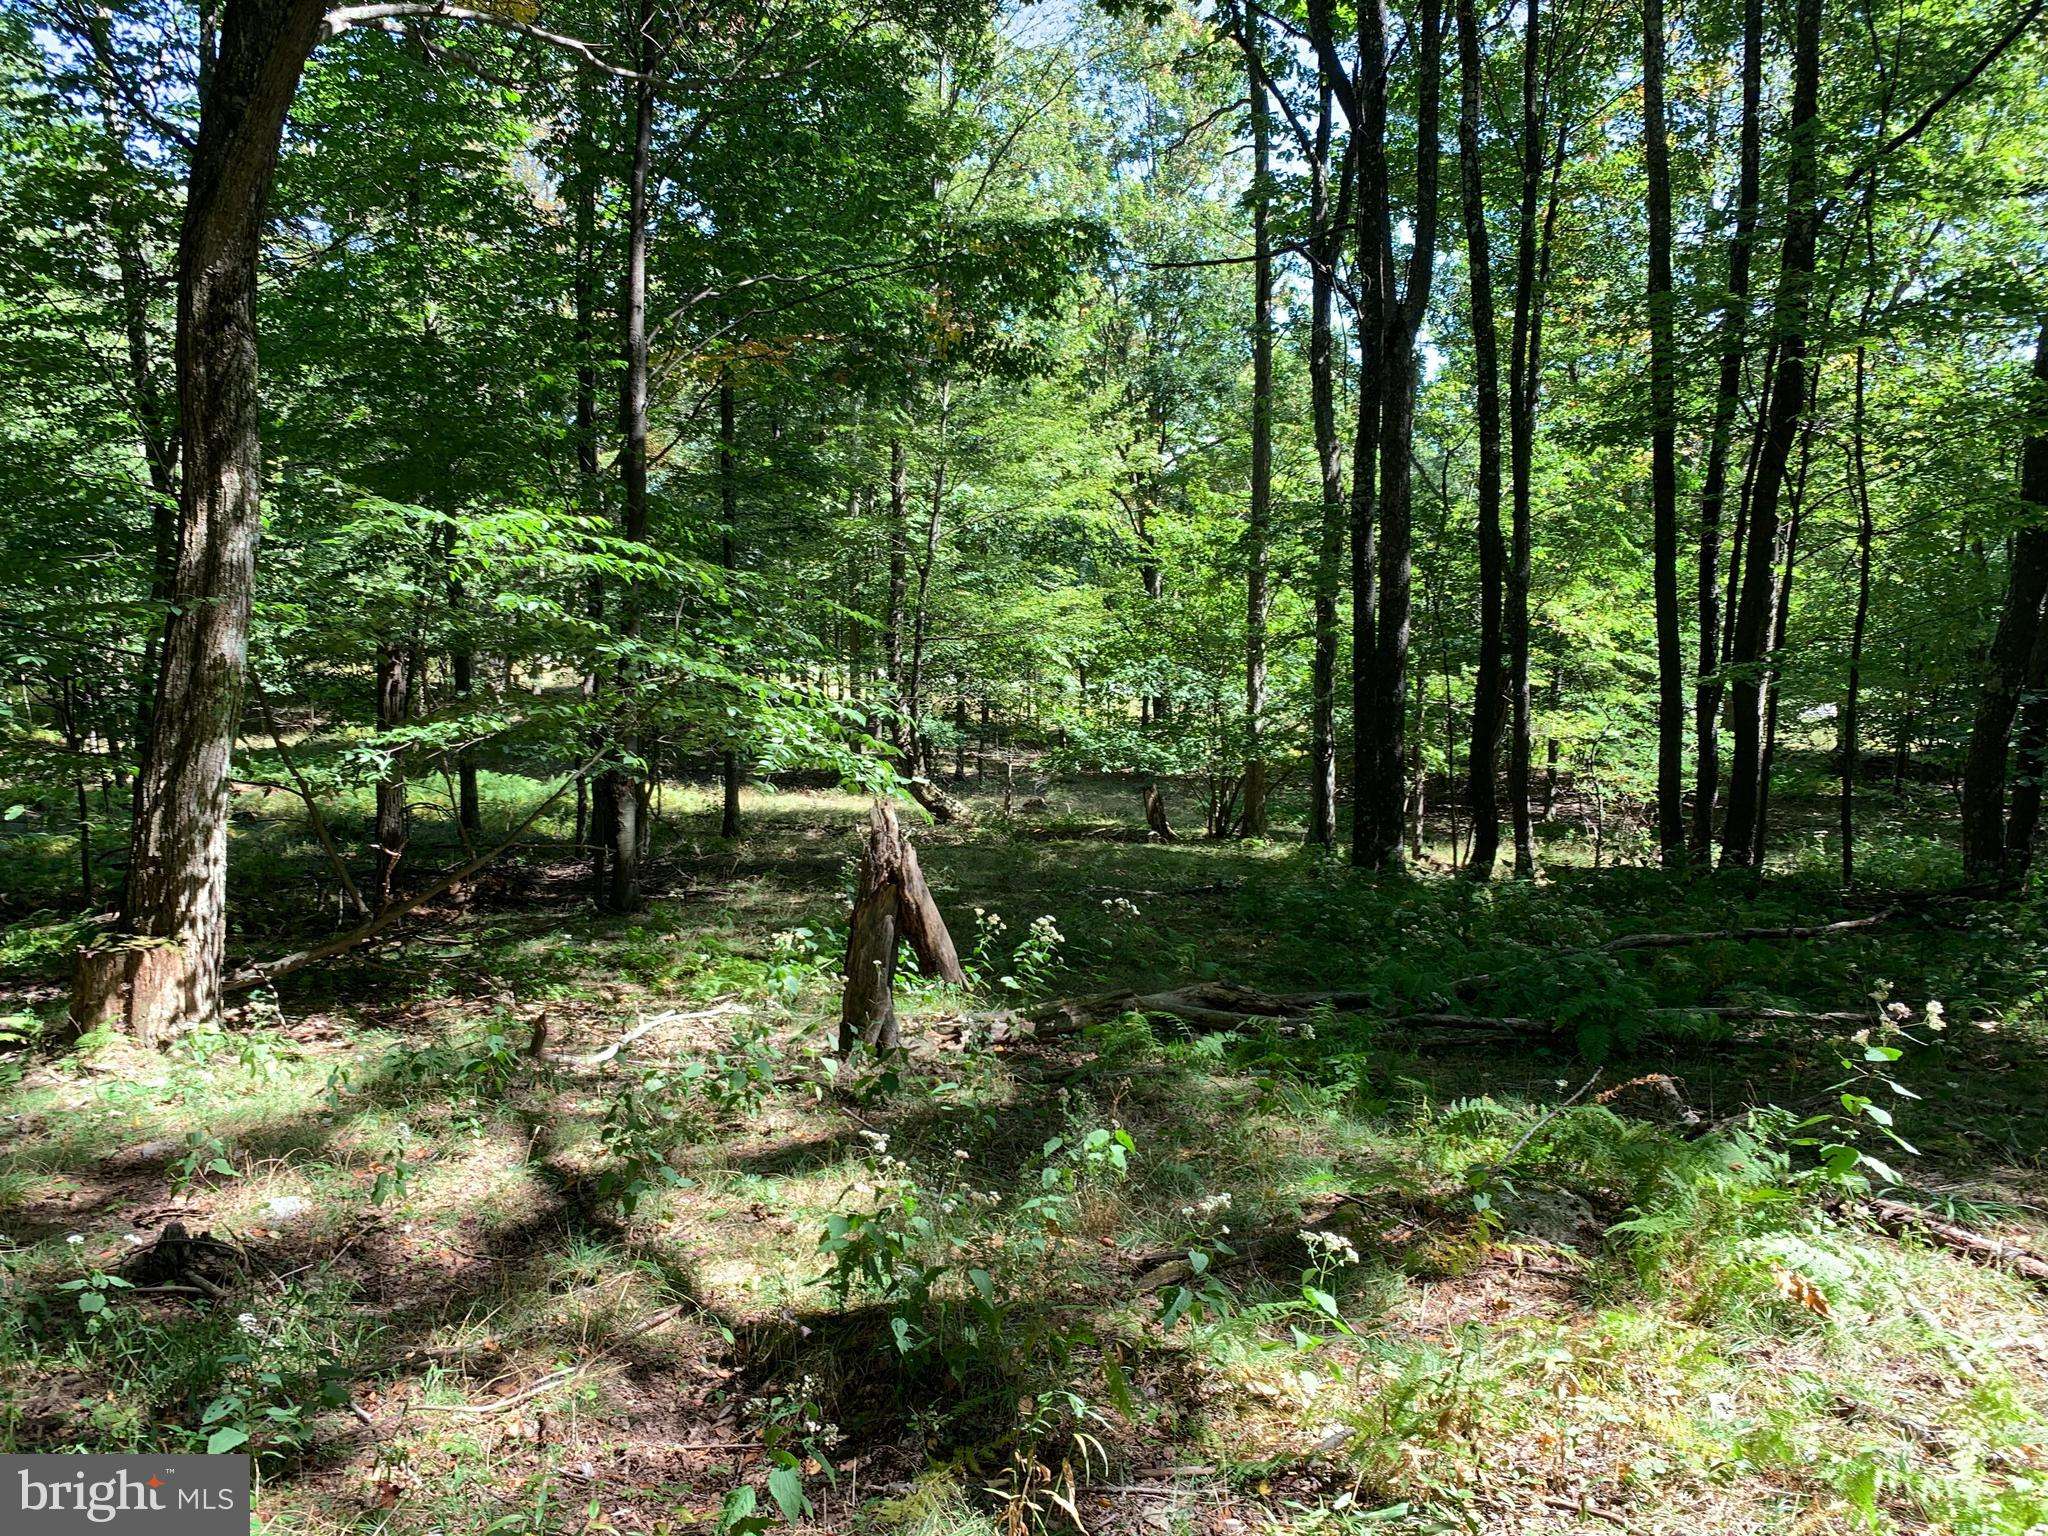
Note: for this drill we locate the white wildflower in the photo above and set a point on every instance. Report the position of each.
(1333, 1247)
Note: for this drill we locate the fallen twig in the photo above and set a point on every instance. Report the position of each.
(599, 1058)
(553, 1379)
(1579, 1507)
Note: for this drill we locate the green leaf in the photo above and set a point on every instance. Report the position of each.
(736, 1516)
(786, 1488)
(221, 1441)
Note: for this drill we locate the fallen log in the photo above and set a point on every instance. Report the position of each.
(1634, 941)
(1630, 941)
(1900, 1218)
(940, 806)
(1225, 1005)
(1216, 1006)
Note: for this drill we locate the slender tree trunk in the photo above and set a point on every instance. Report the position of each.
(1734, 321)
(154, 428)
(1753, 620)
(1326, 227)
(71, 723)
(899, 569)
(2031, 752)
(593, 796)
(462, 678)
(1866, 531)
(2006, 666)
(1258, 528)
(624, 790)
(1663, 451)
(1523, 374)
(728, 549)
(1780, 620)
(391, 825)
(1490, 692)
(177, 869)
(913, 688)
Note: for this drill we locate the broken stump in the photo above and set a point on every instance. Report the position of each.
(891, 905)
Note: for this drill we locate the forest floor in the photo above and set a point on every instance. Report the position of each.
(1340, 1274)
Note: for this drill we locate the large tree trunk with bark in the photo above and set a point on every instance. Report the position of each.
(1364, 98)
(177, 873)
(1750, 653)
(1490, 691)
(1380, 643)
(2011, 646)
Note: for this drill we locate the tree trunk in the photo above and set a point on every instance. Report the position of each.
(1364, 98)
(153, 428)
(728, 549)
(899, 577)
(1380, 644)
(1258, 525)
(1727, 399)
(469, 806)
(1490, 692)
(177, 870)
(1851, 741)
(391, 825)
(1750, 657)
(2006, 666)
(1326, 227)
(623, 791)
(2031, 745)
(1523, 374)
(1781, 618)
(913, 688)
(1663, 450)
(593, 799)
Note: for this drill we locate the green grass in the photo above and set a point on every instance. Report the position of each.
(1561, 1318)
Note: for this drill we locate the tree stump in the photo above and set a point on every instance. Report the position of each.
(891, 905)
(1155, 813)
(134, 985)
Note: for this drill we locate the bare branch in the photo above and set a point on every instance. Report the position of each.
(344, 17)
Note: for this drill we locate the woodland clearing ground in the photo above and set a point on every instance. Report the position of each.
(459, 1315)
